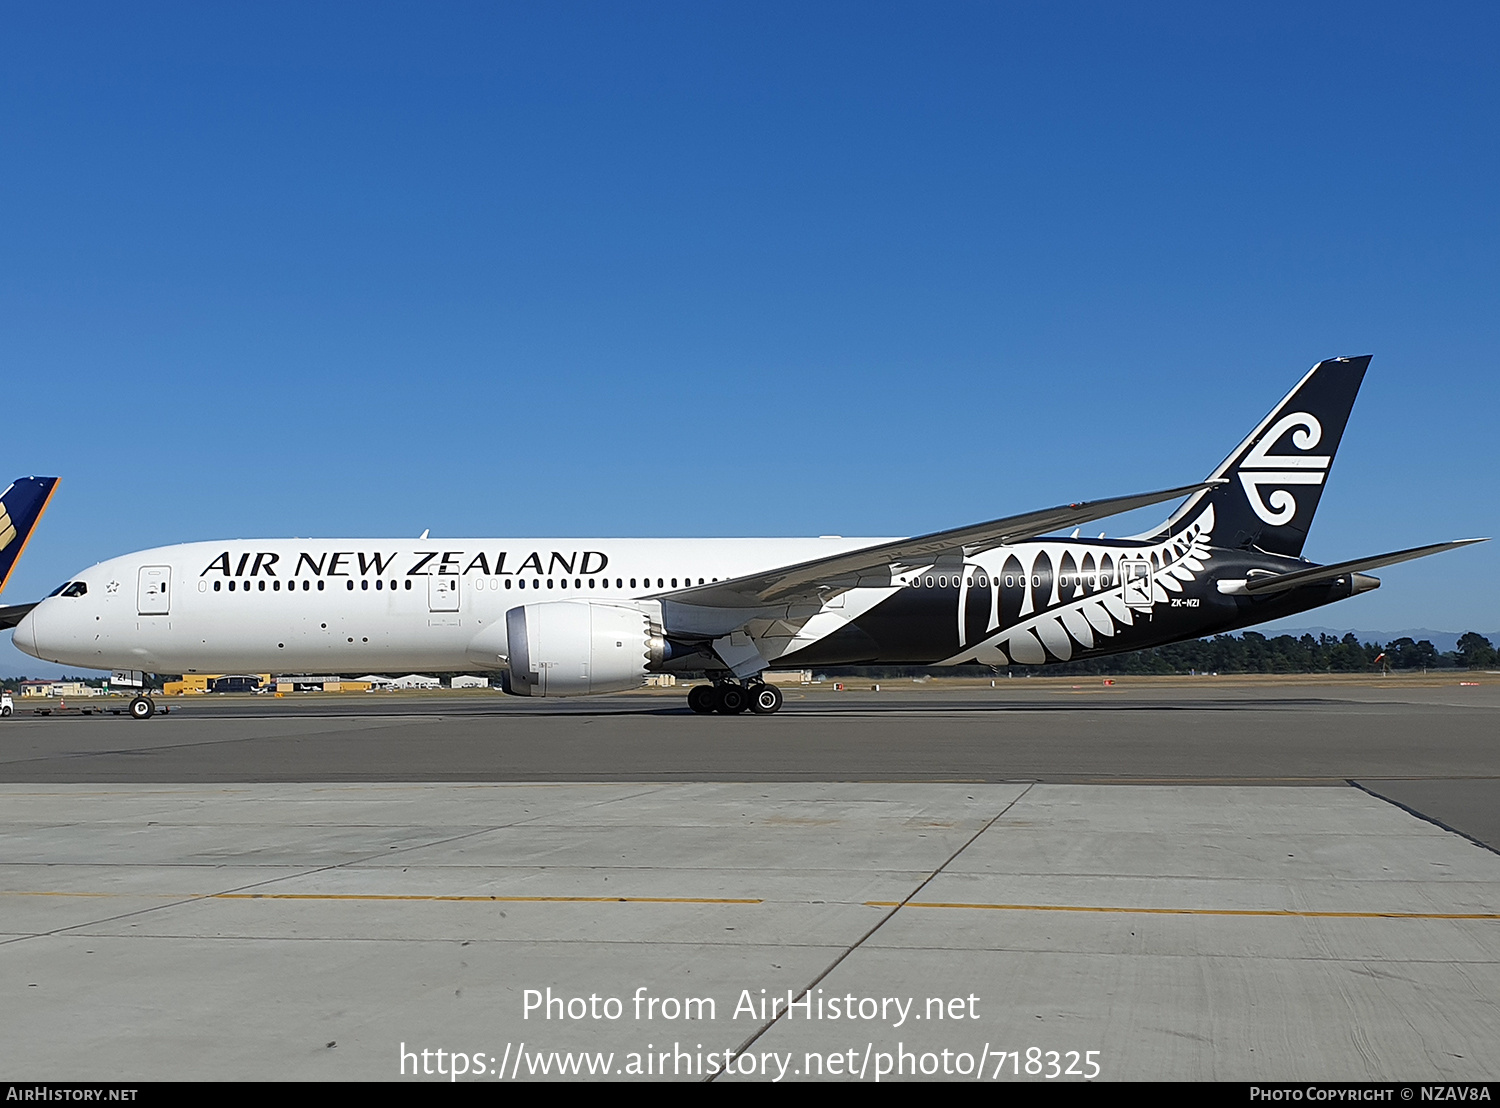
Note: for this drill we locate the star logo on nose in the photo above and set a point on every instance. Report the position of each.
(112, 587)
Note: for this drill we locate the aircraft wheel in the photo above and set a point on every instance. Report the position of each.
(732, 700)
(142, 708)
(701, 699)
(765, 699)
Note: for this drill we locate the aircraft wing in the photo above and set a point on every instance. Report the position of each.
(805, 579)
(1280, 582)
(13, 614)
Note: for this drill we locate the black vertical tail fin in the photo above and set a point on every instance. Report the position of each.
(1274, 479)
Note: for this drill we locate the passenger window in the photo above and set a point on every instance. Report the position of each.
(320, 585)
(262, 586)
(231, 586)
(365, 584)
(507, 582)
(216, 586)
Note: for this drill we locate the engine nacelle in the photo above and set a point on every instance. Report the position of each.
(573, 648)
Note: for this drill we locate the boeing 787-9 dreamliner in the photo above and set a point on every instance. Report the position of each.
(577, 617)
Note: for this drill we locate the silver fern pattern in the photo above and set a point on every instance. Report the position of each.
(1074, 617)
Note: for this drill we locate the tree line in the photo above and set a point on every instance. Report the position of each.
(1247, 652)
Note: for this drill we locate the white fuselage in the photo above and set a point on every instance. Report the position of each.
(339, 606)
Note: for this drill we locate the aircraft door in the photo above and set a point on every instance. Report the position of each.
(1135, 577)
(152, 591)
(442, 594)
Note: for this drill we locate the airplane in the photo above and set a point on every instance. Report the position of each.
(575, 617)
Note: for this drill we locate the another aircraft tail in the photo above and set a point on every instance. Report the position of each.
(21, 506)
(1274, 479)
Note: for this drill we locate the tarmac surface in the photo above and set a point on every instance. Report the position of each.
(1194, 880)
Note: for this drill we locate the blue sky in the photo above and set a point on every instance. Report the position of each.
(761, 269)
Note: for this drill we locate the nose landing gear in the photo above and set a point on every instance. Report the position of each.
(730, 699)
(142, 708)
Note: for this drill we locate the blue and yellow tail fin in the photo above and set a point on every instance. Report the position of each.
(21, 506)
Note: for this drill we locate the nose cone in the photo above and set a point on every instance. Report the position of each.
(25, 633)
(47, 632)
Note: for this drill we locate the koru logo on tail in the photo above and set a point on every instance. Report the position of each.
(1260, 468)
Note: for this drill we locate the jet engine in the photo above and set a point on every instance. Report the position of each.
(573, 648)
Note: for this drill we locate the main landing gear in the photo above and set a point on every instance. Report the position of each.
(729, 698)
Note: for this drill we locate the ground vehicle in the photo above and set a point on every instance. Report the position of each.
(235, 683)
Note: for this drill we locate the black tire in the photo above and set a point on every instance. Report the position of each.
(732, 700)
(765, 700)
(701, 699)
(142, 708)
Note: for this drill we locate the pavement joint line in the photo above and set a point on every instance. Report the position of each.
(498, 899)
(771, 946)
(754, 1035)
(647, 788)
(467, 898)
(1420, 815)
(185, 897)
(1185, 911)
(316, 788)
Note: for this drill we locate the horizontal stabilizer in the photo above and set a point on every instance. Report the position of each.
(1280, 582)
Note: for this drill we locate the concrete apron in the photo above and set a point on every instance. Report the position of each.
(350, 931)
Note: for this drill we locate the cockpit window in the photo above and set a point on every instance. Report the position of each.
(57, 590)
(77, 588)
